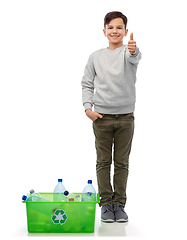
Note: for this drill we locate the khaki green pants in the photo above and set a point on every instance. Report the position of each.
(113, 132)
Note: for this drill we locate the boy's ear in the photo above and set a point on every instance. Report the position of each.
(104, 30)
(126, 31)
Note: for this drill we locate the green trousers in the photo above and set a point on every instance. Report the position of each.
(113, 134)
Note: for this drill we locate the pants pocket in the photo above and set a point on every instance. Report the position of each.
(131, 116)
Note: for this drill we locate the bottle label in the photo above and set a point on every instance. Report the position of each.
(71, 199)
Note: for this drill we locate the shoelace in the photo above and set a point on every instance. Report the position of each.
(109, 207)
(118, 207)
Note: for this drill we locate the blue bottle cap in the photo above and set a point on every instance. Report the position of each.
(24, 197)
(89, 181)
(66, 193)
(59, 180)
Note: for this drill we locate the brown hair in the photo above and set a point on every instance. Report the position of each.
(112, 15)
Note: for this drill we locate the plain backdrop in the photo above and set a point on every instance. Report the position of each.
(44, 132)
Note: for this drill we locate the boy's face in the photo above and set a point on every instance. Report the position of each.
(115, 31)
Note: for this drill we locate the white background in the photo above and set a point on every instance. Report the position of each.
(44, 133)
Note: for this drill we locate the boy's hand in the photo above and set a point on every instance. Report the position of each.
(93, 115)
(131, 44)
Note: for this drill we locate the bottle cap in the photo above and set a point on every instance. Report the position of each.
(89, 181)
(59, 180)
(24, 197)
(31, 191)
(66, 193)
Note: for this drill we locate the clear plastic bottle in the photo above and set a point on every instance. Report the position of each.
(34, 198)
(78, 198)
(31, 193)
(70, 197)
(89, 193)
(58, 194)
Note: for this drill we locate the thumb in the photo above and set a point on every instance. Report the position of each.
(131, 36)
(99, 115)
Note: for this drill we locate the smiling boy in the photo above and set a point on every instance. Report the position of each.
(109, 84)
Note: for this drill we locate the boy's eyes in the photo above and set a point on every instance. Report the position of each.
(117, 27)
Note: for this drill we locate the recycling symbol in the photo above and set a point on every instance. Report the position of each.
(59, 217)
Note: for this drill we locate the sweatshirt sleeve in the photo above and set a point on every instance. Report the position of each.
(88, 84)
(134, 59)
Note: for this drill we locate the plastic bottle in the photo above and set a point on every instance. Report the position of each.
(58, 194)
(70, 197)
(34, 198)
(31, 193)
(78, 198)
(89, 193)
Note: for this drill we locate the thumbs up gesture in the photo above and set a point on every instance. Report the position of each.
(131, 44)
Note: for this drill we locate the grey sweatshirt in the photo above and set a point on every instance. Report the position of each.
(109, 81)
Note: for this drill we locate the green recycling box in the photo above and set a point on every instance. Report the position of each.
(59, 217)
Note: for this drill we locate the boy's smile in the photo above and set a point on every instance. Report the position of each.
(115, 32)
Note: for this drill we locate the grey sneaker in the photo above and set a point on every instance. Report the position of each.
(107, 213)
(120, 214)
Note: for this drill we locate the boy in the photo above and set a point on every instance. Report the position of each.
(109, 84)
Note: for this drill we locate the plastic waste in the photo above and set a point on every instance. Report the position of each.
(58, 194)
(71, 197)
(89, 193)
(78, 198)
(31, 193)
(34, 198)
